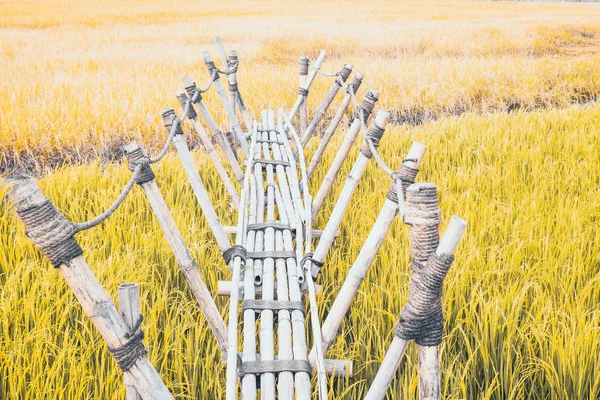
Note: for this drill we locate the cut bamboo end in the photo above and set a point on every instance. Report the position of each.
(188, 81)
(382, 118)
(206, 56)
(416, 152)
(452, 235)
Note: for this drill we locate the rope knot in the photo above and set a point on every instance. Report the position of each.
(303, 92)
(127, 354)
(235, 251)
(170, 118)
(407, 176)
(373, 135)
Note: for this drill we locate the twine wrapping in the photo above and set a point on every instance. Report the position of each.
(169, 117)
(374, 135)
(303, 65)
(183, 100)
(137, 157)
(309, 257)
(303, 92)
(273, 367)
(421, 317)
(51, 232)
(407, 175)
(134, 349)
(261, 255)
(235, 251)
(366, 107)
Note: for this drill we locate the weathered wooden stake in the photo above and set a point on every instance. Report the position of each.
(320, 113)
(182, 254)
(367, 105)
(381, 121)
(235, 124)
(129, 307)
(341, 111)
(96, 303)
(365, 258)
(392, 358)
(217, 134)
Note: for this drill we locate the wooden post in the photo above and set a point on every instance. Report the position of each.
(169, 116)
(200, 192)
(367, 105)
(235, 124)
(392, 358)
(341, 111)
(335, 88)
(218, 136)
(234, 91)
(129, 307)
(306, 87)
(303, 72)
(381, 121)
(181, 251)
(96, 303)
(365, 258)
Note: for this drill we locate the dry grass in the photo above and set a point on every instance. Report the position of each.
(521, 301)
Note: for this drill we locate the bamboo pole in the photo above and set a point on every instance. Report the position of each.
(129, 307)
(341, 111)
(232, 328)
(182, 254)
(381, 121)
(363, 262)
(234, 91)
(306, 86)
(367, 105)
(286, 215)
(320, 113)
(169, 116)
(235, 124)
(200, 192)
(392, 359)
(96, 303)
(303, 72)
(217, 133)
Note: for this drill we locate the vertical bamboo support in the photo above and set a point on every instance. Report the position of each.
(341, 111)
(129, 307)
(381, 121)
(320, 113)
(235, 124)
(303, 72)
(306, 86)
(367, 106)
(365, 258)
(169, 116)
(234, 91)
(217, 134)
(182, 254)
(200, 192)
(96, 303)
(392, 358)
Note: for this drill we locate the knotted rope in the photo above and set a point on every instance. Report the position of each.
(51, 232)
(372, 139)
(235, 251)
(421, 317)
(309, 257)
(127, 354)
(401, 180)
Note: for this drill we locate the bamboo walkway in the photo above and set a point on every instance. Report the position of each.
(273, 287)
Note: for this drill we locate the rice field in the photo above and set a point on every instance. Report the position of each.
(503, 94)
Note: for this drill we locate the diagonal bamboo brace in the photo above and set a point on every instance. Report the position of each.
(303, 63)
(363, 262)
(375, 131)
(182, 254)
(129, 307)
(341, 78)
(367, 106)
(66, 256)
(217, 134)
(169, 117)
(341, 111)
(235, 124)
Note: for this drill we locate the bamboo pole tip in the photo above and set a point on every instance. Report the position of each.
(188, 81)
(206, 57)
(217, 39)
(24, 192)
(233, 53)
(126, 286)
(452, 235)
(180, 92)
(358, 76)
(382, 118)
(131, 147)
(416, 152)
